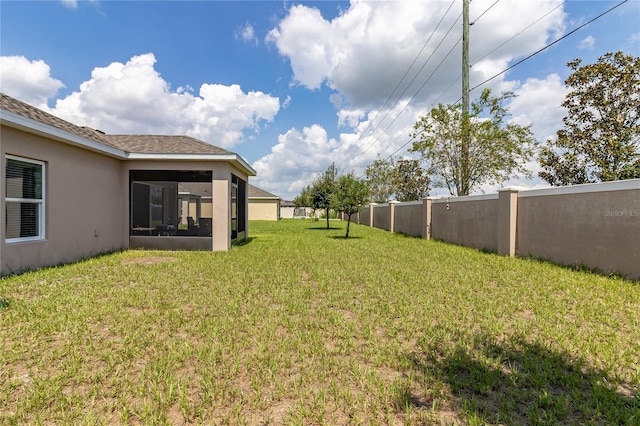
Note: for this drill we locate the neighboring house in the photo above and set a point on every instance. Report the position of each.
(70, 192)
(263, 205)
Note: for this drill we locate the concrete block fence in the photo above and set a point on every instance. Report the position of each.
(592, 225)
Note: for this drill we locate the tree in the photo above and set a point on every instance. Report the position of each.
(379, 175)
(322, 189)
(349, 196)
(403, 180)
(410, 181)
(497, 150)
(304, 199)
(600, 140)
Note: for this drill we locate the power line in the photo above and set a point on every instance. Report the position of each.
(414, 78)
(498, 47)
(517, 63)
(486, 10)
(400, 82)
(520, 32)
(414, 96)
(419, 90)
(500, 73)
(551, 44)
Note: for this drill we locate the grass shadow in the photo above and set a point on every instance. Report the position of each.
(342, 237)
(519, 382)
(245, 242)
(582, 268)
(324, 228)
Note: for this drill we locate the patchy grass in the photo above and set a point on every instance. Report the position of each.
(299, 326)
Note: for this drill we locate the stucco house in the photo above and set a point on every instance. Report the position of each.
(71, 192)
(263, 205)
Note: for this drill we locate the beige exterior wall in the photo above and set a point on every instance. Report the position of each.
(365, 215)
(382, 216)
(285, 212)
(596, 229)
(85, 207)
(264, 209)
(593, 225)
(86, 202)
(468, 221)
(408, 218)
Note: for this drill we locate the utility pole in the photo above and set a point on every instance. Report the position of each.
(463, 188)
(465, 55)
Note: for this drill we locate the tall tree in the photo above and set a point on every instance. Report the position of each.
(410, 181)
(349, 196)
(379, 175)
(496, 150)
(600, 140)
(322, 189)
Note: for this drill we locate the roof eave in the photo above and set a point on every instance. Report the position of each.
(235, 159)
(20, 122)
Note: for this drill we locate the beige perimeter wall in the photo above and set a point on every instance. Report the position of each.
(409, 218)
(593, 225)
(467, 221)
(264, 209)
(85, 192)
(596, 229)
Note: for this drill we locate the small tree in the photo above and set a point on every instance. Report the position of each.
(600, 140)
(322, 190)
(497, 150)
(349, 196)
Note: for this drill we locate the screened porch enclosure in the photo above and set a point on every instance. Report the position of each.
(171, 210)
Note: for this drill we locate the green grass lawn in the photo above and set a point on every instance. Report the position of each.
(300, 326)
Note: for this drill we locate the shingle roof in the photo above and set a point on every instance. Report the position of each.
(21, 108)
(255, 192)
(139, 144)
(163, 144)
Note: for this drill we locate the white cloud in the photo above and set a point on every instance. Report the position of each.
(246, 34)
(295, 161)
(71, 4)
(587, 43)
(27, 80)
(364, 52)
(299, 156)
(134, 98)
(539, 104)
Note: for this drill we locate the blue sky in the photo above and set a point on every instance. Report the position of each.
(294, 86)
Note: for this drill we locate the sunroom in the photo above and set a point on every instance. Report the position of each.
(174, 209)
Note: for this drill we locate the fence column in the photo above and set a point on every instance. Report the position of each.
(392, 215)
(371, 206)
(426, 209)
(507, 220)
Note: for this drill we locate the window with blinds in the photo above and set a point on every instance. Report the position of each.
(24, 192)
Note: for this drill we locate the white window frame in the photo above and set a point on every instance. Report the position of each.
(39, 202)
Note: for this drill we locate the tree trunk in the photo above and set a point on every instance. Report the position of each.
(327, 214)
(348, 223)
